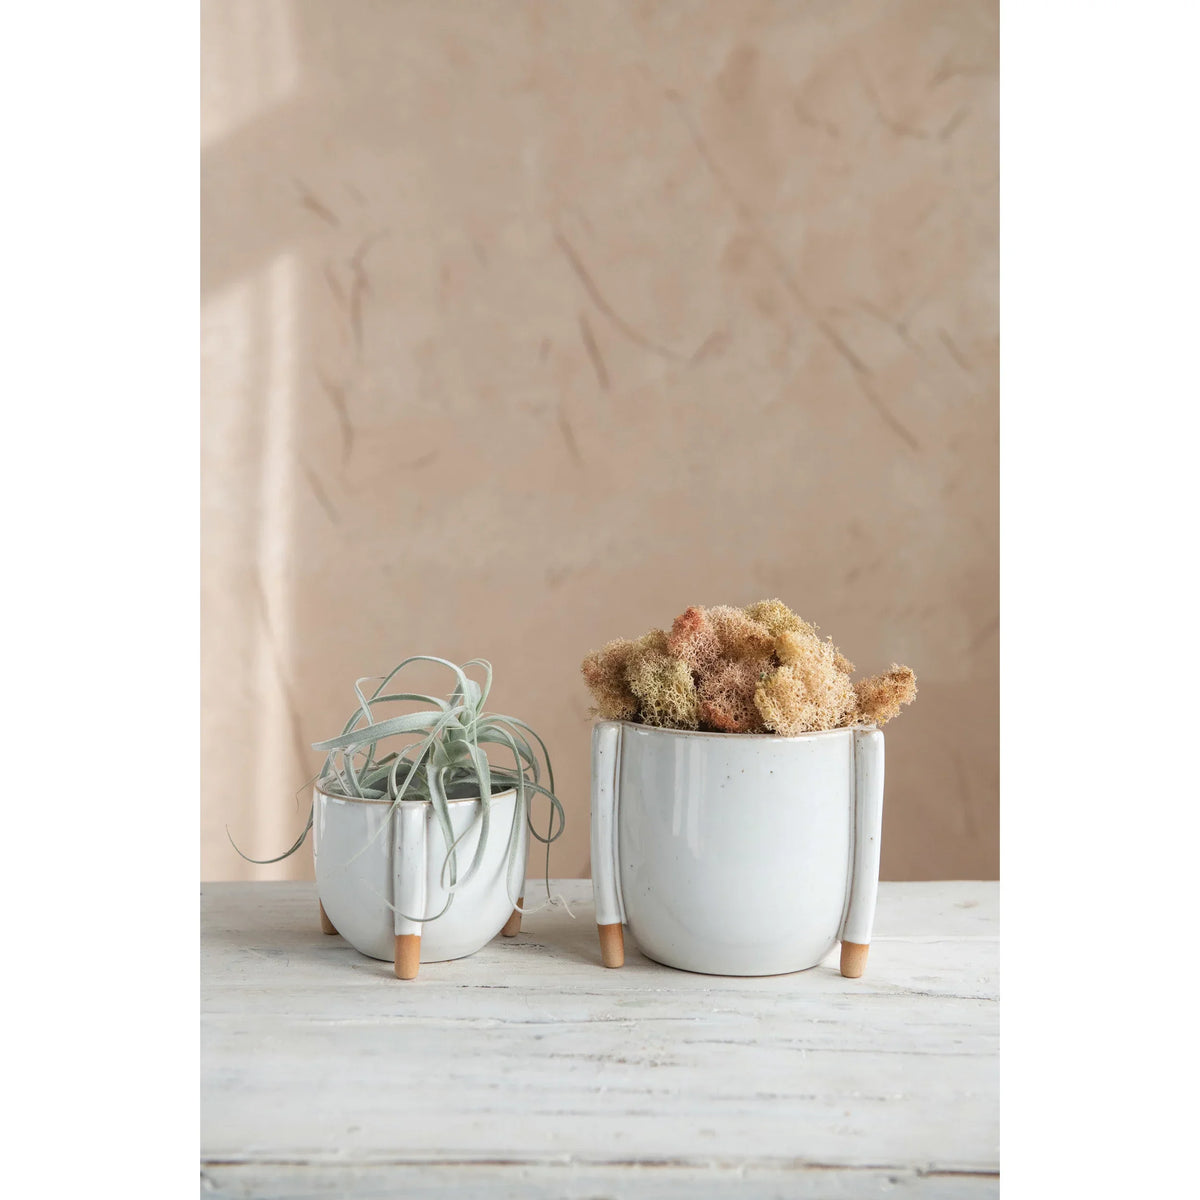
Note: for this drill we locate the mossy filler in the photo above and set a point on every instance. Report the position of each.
(737, 793)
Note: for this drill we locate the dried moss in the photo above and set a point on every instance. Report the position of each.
(782, 702)
(654, 642)
(777, 618)
(806, 693)
(792, 646)
(665, 691)
(879, 698)
(727, 696)
(604, 673)
(694, 639)
(737, 670)
(740, 636)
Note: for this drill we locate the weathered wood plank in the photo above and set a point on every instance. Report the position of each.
(531, 1055)
(575, 1181)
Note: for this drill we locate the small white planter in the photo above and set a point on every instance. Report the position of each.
(736, 854)
(362, 867)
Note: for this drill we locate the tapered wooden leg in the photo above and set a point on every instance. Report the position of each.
(408, 955)
(612, 945)
(854, 959)
(513, 925)
(326, 923)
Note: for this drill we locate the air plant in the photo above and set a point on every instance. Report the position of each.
(446, 761)
(759, 669)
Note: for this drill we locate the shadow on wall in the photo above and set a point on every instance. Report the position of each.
(525, 328)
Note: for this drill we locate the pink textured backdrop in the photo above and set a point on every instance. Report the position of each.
(527, 325)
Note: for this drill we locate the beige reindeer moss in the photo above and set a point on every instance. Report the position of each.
(777, 618)
(880, 697)
(759, 669)
(808, 691)
(665, 691)
(740, 635)
(604, 673)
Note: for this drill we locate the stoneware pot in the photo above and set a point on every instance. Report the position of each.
(368, 857)
(736, 854)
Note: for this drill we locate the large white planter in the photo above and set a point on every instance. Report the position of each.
(368, 858)
(736, 854)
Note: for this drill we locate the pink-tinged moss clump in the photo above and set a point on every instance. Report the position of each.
(759, 669)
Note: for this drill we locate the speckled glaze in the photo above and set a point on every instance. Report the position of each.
(732, 854)
(367, 858)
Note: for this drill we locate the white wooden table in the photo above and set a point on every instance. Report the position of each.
(528, 1070)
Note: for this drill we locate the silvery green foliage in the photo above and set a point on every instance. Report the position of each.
(447, 760)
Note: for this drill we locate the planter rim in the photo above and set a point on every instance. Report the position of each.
(744, 737)
(366, 800)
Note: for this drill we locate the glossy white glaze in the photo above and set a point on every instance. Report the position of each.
(868, 826)
(606, 761)
(731, 854)
(366, 859)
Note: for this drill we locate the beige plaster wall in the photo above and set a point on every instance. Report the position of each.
(525, 325)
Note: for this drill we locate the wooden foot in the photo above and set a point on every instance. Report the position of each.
(326, 923)
(408, 955)
(612, 945)
(854, 959)
(513, 925)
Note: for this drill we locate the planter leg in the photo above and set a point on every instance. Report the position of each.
(612, 944)
(408, 955)
(409, 886)
(326, 924)
(606, 885)
(854, 959)
(868, 828)
(513, 925)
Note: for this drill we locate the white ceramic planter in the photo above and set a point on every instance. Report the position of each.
(367, 857)
(736, 854)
